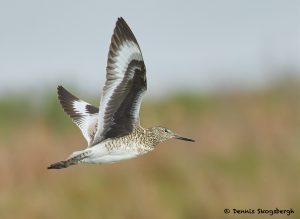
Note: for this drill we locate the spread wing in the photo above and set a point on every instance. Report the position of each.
(124, 87)
(83, 114)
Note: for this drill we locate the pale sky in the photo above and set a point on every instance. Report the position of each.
(193, 45)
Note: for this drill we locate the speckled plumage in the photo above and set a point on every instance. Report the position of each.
(141, 139)
(113, 130)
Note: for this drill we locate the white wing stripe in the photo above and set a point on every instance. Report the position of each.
(128, 52)
(80, 107)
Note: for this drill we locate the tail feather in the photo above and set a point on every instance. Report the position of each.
(59, 165)
(75, 158)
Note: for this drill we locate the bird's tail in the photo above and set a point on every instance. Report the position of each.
(75, 158)
(59, 165)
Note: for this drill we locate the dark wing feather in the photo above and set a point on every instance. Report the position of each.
(125, 84)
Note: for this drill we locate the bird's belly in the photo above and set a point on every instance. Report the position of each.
(101, 156)
(111, 158)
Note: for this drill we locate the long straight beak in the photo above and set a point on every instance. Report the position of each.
(183, 138)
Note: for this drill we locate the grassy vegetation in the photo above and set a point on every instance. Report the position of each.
(246, 155)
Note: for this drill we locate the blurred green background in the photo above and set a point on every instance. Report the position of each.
(246, 155)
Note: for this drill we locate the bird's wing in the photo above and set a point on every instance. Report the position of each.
(124, 87)
(83, 114)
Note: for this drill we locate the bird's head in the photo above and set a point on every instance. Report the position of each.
(162, 134)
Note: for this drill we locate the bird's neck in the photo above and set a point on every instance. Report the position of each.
(147, 135)
(153, 139)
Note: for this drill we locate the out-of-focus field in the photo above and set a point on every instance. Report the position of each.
(246, 155)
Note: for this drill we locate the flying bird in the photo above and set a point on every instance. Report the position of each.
(113, 131)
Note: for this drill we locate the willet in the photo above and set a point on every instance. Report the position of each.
(113, 131)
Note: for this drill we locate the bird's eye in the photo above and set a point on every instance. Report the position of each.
(166, 130)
